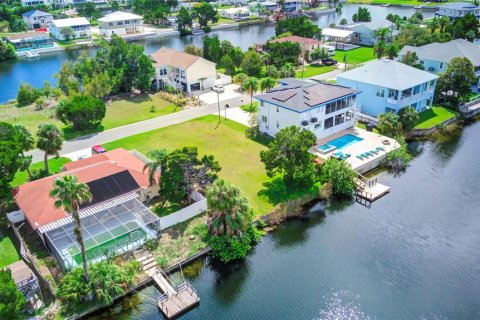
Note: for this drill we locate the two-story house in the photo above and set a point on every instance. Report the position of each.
(182, 71)
(120, 23)
(435, 57)
(389, 86)
(364, 32)
(455, 10)
(293, 5)
(80, 27)
(238, 13)
(322, 108)
(37, 19)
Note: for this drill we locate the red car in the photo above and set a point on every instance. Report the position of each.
(98, 149)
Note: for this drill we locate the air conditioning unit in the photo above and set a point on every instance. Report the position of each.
(304, 123)
(314, 119)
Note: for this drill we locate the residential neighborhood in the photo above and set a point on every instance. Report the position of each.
(232, 159)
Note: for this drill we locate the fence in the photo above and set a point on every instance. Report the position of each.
(362, 117)
(199, 206)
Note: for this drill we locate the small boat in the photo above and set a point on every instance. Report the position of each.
(198, 32)
(386, 5)
(31, 55)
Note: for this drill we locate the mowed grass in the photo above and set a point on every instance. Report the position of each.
(120, 112)
(54, 166)
(238, 156)
(355, 56)
(434, 116)
(313, 70)
(8, 253)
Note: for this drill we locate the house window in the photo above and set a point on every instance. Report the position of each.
(393, 94)
(339, 119)
(316, 126)
(110, 24)
(380, 92)
(127, 22)
(261, 103)
(264, 118)
(328, 123)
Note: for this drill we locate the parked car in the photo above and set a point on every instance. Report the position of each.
(329, 62)
(330, 49)
(98, 149)
(218, 88)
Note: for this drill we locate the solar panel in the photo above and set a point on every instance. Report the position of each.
(110, 187)
(284, 96)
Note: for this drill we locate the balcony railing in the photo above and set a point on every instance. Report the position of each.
(410, 98)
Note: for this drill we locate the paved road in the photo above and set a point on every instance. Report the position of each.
(139, 127)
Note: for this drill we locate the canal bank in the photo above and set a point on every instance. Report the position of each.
(36, 71)
(412, 255)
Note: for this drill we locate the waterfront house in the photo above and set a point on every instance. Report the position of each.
(37, 19)
(269, 6)
(389, 86)
(307, 44)
(80, 27)
(26, 282)
(322, 108)
(30, 40)
(293, 5)
(455, 10)
(241, 13)
(29, 3)
(434, 57)
(120, 23)
(182, 71)
(364, 32)
(114, 222)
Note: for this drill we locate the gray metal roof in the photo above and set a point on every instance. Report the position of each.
(36, 13)
(298, 95)
(388, 74)
(444, 52)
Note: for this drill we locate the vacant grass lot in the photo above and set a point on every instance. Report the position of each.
(8, 253)
(432, 117)
(313, 70)
(355, 56)
(120, 112)
(239, 157)
(54, 166)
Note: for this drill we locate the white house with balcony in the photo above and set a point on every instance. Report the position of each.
(37, 19)
(182, 71)
(120, 23)
(322, 108)
(389, 86)
(80, 27)
(455, 10)
(241, 13)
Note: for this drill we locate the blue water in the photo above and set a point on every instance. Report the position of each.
(341, 142)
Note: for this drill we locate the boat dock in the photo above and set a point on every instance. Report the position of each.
(369, 190)
(174, 300)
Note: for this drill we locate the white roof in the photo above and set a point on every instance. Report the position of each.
(119, 16)
(70, 22)
(388, 74)
(330, 32)
(235, 10)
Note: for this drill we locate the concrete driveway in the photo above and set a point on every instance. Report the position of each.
(230, 93)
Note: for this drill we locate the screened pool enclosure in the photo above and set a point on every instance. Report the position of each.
(109, 229)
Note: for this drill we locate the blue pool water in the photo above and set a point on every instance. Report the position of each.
(341, 142)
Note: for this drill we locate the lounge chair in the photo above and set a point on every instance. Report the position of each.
(360, 157)
(381, 148)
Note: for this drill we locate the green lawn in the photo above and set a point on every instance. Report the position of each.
(313, 70)
(355, 56)
(239, 157)
(54, 166)
(8, 253)
(120, 112)
(250, 108)
(363, 126)
(432, 117)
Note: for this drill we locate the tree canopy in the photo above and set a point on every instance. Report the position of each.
(12, 301)
(82, 112)
(252, 63)
(287, 155)
(455, 83)
(10, 149)
(362, 15)
(154, 11)
(340, 174)
(283, 52)
(7, 51)
(300, 26)
(184, 19)
(204, 12)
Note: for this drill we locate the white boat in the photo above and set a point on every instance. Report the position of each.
(31, 54)
(386, 5)
(197, 32)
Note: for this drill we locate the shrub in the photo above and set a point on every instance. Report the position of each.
(389, 124)
(400, 158)
(234, 248)
(26, 94)
(83, 112)
(40, 103)
(153, 109)
(341, 175)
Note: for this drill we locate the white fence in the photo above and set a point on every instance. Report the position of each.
(199, 206)
(223, 79)
(362, 117)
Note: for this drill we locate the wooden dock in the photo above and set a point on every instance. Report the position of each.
(174, 300)
(369, 190)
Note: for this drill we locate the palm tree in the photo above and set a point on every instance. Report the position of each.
(410, 58)
(379, 49)
(267, 83)
(156, 165)
(49, 139)
(26, 141)
(391, 50)
(251, 86)
(381, 34)
(443, 22)
(70, 194)
(240, 79)
(228, 211)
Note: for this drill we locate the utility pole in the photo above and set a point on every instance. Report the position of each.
(226, 106)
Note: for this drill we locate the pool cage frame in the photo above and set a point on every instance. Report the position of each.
(101, 221)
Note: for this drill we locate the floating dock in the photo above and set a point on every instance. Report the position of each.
(369, 190)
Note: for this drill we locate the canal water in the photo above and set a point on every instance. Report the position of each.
(413, 255)
(36, 71)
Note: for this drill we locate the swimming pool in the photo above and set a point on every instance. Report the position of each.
(339, 143)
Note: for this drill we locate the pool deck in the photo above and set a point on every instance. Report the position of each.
(370, 141)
